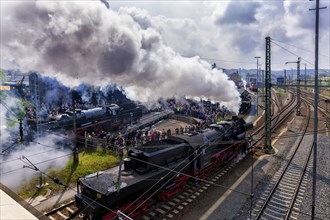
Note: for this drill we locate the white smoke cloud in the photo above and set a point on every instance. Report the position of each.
(240, 35)
(84, 41)
(4, 131)
(8, 119)
(244, 83)
(45, 155)
(48, 151)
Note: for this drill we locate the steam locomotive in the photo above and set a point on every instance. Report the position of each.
(245, 103)
(158, 170)
(113, 113)
(85, 116)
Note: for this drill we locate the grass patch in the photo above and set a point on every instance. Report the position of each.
(90, 161)
(326, 92)
(281, 92)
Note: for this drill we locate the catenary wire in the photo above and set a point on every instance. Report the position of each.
(299, 48)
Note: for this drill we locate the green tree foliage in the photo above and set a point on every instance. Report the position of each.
(3, 79)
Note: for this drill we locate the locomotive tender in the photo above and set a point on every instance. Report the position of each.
(158, 170)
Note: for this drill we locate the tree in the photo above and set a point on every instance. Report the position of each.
(3, 79)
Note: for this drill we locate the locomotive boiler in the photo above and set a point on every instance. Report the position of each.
(110, 113)
(160, 169)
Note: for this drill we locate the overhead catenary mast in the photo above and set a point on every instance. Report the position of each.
(316, 91)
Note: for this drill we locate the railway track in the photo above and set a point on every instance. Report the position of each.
(321, 107)
(169, 209)
(322, 99)
(162, 210)
(282, 197)
(64, 212)
(277, 120)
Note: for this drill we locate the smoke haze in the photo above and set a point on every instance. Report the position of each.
(85, 42)
(48, 153)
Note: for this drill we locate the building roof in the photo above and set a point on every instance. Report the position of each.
(14, 207)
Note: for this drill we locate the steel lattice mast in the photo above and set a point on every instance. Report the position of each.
(268, 98)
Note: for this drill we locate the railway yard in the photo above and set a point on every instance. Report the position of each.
(165, 110)
(277, 186)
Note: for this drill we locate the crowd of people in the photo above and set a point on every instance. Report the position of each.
(137, 137)
(134, 138)
(206, 113)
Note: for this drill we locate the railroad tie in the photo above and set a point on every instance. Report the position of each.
(145, 217)
(160, 211)
(62, 215)
(70, 210)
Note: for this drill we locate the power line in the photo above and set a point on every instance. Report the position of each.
(296, 55)
(176, 171)
(228, 61)
(300, 48)
(166, 169)
(276, 137)
(292, 53)
(45, 161)
(29, 155)
(172, 171)
(8, 109)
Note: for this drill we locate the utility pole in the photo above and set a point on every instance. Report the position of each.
(31, 166)
(298, 85)
(262, 76)
(20, 130)
(121, 155)
(285, 80)
(257, 82)
(75, 149)
(305, 78)
(268, 115)
(327, 101)
(316, 94)
(36, 96)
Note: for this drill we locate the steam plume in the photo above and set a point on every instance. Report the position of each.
(86, 42)
(45, 156)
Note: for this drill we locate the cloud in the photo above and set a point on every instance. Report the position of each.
(240, 36)
(239, 12)
(88, 42)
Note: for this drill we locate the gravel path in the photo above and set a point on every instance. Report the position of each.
(322, 209)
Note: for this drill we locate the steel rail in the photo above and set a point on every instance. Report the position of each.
(276, 185)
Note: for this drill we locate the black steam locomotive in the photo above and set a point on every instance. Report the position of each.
(245, 103)
(89, 116)
(105, 118)
(160, 169)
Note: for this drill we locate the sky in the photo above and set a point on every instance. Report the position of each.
(159, 48)
(232, 33)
